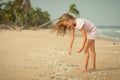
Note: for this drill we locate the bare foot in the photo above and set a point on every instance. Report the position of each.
(81, 70)
(91, 69)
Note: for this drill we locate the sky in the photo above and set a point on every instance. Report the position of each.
(100, 12)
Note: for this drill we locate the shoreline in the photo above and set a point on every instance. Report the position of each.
(41, 55)
(107, 38)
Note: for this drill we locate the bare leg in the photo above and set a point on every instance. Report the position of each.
(86, 56)
(93, 55)
(86, 59)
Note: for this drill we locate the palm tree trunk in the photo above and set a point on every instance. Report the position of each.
(27, 9)
(46, 23)
(16, 22)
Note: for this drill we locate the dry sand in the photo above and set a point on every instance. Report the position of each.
(40, 55)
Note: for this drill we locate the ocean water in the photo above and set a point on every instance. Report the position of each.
(111, 32)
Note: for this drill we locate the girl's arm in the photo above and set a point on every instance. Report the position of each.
(71, 40)
(84, 39)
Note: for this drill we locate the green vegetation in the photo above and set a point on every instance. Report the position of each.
(19, 13)
(73, 10)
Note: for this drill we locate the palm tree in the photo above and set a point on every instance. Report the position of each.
(39, 17)
(2, 12)
(45, 16)
(36, 16)
(21, 11)
(73, 10)
(17, 10)
(27, 7)
(9, 12)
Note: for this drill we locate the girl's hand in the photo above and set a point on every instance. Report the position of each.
(79, 50)
(69, 51)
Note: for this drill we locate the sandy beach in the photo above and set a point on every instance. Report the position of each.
(41, 55)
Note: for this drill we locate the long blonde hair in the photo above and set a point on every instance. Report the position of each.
(59, 27)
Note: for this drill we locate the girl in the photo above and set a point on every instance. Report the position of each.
(88, 30)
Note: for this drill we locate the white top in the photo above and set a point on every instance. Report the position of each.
(89, 26)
